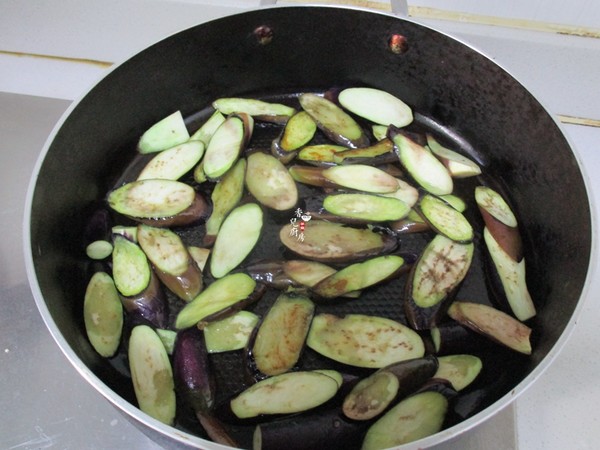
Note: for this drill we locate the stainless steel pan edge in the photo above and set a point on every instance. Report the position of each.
(168, 435)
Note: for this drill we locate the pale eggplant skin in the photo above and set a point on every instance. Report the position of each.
(150, 305)
(194, 379)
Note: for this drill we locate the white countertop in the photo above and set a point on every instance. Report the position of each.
(45, 402)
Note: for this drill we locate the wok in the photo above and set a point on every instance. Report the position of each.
(453, 88)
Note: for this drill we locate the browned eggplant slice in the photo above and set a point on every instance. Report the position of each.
(172, 262)
(363, 341)
(298, 131)
(422, 165)
(259, 109)
(287, 393)
(370, 153)
(415, 417)
(445, 219)
(103, 314)
(434, 280)
(279, 340)
(173, 163)
(166, 133)
(152, 198)
(269, 181)
(376, 105)
(458, 165)
(333, 121)
(361, 177)
(358, 276)
(152, 374)
(372, 395)
(493, 324)
(225, 196)
(320, 153)
(223, 294)
(331, 242)
(226, 145)
(366, 207)
(237, 237)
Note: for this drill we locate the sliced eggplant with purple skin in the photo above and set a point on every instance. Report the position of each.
(222, 294)
(363, 341)
(161, 203)
(458, 165)
(171, 260)
(505, 249)
(152, 374)
(376, 105)
(166, 133)
(434, 280)
(269, 181)
(363, 178)
(225, 196)
(150, 306)
(278, 342)
(103, 314)
(422, 165)
(412, 223)
(320, 153)
(445, 219)
(265, 111)
(381, 151)
(270, 272)
(366, 207)
(500, 220)
(494, 324)
(287, 393)
(237, 237)
(332, 242)
(372, 395)
(327, 429)
(231, 333)
(413, 418)
(174, 162)
(208, 128)
(459, 369)
(451, 337)
(227, 144)
(194, 377)
(333, 121)
(313, 176)
(359, 276)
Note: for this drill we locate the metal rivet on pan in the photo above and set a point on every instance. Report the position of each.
(398, 44)
(263, 34)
